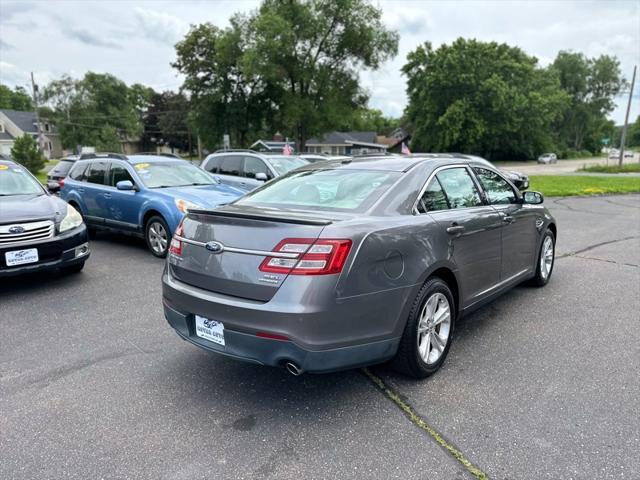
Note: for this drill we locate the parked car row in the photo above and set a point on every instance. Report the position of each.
(375, 257)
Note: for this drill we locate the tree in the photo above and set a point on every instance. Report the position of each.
(592, 85)
(311, 52)
(485, 98)
(16, 99)
(369, 120)
(95, 110)
(633, 134)
(225, 97)
(166, 122)
(25, 151)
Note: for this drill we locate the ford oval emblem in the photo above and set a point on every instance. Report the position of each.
(214, 247)
(16, 229)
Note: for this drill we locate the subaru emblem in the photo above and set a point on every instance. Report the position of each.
(214, 247)
(16, 229)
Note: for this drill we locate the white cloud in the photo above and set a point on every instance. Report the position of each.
(160, 26)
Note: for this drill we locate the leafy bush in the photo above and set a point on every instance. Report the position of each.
(25, 151)
(572, 154)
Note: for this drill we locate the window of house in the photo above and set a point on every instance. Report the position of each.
(46, 129)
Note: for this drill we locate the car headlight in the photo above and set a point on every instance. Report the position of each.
(71, 220)
(185, 205)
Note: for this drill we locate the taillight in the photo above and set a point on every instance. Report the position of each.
(61, 182)
(315, 257)
(176, 245)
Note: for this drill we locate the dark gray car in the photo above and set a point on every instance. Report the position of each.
(348, 263)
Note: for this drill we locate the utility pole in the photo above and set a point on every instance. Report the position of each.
(626, 118)
(34, 88)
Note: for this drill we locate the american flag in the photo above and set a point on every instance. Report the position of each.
(287, 150)
(405, 150)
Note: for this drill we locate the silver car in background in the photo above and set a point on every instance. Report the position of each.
(341, 264)
(248, 169)
(547, 158)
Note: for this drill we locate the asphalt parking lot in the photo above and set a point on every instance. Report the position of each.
(543, 383)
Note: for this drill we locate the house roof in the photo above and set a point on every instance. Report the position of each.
(25, 121)
(346, 138)
(272, 144)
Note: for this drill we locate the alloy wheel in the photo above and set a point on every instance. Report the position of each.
(546, 259)
(434, 328)
(158, 237)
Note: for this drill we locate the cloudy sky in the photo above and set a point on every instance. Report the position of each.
(134, 39)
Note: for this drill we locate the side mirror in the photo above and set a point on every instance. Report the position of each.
(532, 198)
(125, 185)
(261, 176)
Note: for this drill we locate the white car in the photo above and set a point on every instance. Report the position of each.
(548, 158)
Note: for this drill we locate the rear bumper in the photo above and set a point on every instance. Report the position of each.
(63, 250)
(263, 351)
(320, 341)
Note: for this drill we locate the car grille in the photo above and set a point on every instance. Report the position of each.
(32, 232)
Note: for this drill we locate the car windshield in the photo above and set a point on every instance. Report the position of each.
(172, 174)
(15, 180)
(285, 164)
(340, 190)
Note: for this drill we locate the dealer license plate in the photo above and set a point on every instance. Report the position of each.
(210, 330)
(20, 257)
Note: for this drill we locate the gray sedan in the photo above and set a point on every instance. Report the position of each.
(347, 263)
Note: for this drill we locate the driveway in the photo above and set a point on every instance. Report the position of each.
(543, 383)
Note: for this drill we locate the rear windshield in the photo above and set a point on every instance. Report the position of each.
(285, 164)
(15, 180)
(340, 190)
(63, 167)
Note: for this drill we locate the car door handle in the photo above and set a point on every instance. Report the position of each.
(81, 190)
(455, 229)
(107, 195)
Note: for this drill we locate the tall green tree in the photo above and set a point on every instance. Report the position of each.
(16, 99)
(484, 98)
(369, 120)
(166, 122)
(98, 110)
(312, 51)
(225, 97)
(25, 151)
(592, 85)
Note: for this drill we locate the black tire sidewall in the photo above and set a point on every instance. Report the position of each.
(160, 220)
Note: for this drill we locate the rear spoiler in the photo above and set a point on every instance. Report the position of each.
(264, 218)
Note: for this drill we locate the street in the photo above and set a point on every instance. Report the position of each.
(542, 383)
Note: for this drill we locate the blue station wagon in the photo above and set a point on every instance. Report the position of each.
(142, 195)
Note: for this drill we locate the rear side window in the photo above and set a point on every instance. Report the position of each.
(118, 173)
(96, 172)
(253, 165)
(433, 198)
(77, 172)
(497, 188)
(213, 165)
(459, 188)
(230, 166)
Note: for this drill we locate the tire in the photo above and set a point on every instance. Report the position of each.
(77, 268)
(410, 358)
(157, 236)
(544, 269)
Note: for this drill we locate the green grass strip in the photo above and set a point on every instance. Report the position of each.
(420, 422)
(583, 185)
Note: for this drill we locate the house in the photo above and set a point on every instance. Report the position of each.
(395, 140)
(271, 145)
(14, 124)
(346, 143)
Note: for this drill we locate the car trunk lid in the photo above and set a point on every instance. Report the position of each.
(222, 249)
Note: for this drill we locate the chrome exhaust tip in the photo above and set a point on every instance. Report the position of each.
(293, 369)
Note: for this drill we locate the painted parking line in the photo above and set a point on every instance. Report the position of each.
(421, 423)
